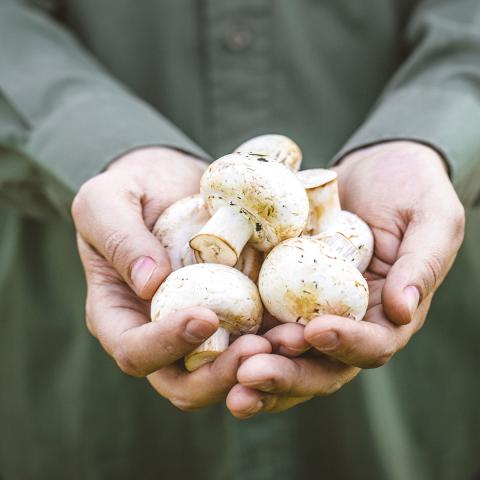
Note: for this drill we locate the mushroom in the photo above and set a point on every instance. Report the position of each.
(224, 290)
(177, 224)
(326, 217)
(257, 202)
(304, 277)
(261, 203)
(273, 148)
(350, 228)
(183, 219)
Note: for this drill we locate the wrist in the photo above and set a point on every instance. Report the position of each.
(158, 154)
(401, 150)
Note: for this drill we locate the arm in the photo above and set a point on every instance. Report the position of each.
(62, 117)
(63, 120)
(392, 173)
(434, 98)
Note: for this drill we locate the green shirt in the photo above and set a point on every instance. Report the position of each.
(84, 81)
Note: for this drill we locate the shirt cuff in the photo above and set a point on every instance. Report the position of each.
(81, 137)
(445, 121)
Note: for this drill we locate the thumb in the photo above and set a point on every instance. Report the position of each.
(425, 255)
(113, 224)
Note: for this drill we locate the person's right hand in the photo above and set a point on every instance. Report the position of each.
(124, 264)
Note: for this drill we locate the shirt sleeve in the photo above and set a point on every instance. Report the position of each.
(434, 98)
(63, 118)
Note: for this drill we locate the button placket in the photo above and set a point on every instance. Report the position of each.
(238, 46)
(238, 38)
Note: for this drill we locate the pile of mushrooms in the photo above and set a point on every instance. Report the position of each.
(253, 203)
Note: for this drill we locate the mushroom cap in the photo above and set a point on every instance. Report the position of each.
(316, 177)
(357, 231)
(225, 290)
(267, 193)
(274, 148)
(177, 224)
(302, 278)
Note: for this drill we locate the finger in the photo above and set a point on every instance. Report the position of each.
(140, 348)
(244, 402)
(121, 321)
(110, 218)
(211, 382)
(365, 344)
(299, 377)
(288, 340)
(426, 254)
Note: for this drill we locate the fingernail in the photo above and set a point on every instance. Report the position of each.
(325, 340)
(412, 296)
(142, 271)
(197, 331)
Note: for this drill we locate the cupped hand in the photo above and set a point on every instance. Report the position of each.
(124, 265)
(402, 190)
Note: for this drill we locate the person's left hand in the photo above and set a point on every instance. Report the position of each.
(402, 190)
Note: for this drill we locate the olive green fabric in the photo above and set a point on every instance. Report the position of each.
(83, 81)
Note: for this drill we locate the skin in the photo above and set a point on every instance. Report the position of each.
(398, 188)
(124, 265)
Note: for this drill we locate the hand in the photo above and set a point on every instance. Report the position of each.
(124, 264)
(402, 190)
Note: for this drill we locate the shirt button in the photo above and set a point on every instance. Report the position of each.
(238, 38)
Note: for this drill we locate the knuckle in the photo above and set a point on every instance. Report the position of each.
(184, 404)
(459, 221)
(113, 246)
(341, 380)
(170, 348)
(383, 358)
(89, 323)
(90, 316)
(433, 267)
(82, 196)
(126, 364)
(334, 387)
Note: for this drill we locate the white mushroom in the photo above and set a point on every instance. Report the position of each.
(260, 202)
(303, 278)
(224, 290)
(353, 230)
(322, 190)
(183, 219)
(177, 224)
(326, 217)
(273, 148)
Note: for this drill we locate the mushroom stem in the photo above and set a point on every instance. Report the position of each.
(223, 237)
(188, 256)
(322, 190)
(209, 350)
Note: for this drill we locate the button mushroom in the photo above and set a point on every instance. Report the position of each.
(183, 219)
(224, 290)
(177, 224)
(274, 148)
(260, 202)
(303, 277)
(326, 217)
